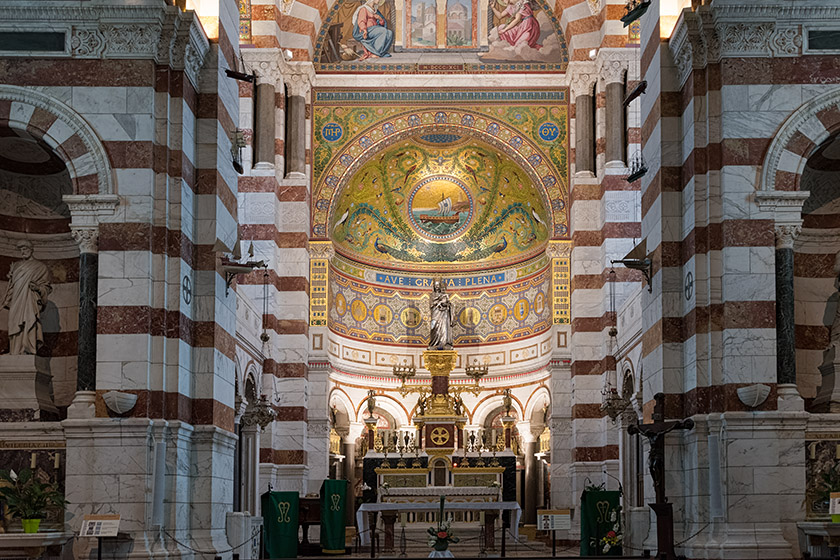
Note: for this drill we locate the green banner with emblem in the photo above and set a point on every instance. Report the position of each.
(280, 517)
(333, 520)
(600, 523)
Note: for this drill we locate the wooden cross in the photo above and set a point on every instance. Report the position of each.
(655, 433)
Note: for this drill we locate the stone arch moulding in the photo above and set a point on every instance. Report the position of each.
(389, 405)
(805, 129)
(339, 395)
(534, 399)
(64, 130)
(546, 178)
(489, 404)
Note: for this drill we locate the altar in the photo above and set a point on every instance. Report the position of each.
(405, 475)
(492, 512)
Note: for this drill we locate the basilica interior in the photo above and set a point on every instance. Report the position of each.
(509, 252)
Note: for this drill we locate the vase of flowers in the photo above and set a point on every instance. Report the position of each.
(28, 498)
(441, 536)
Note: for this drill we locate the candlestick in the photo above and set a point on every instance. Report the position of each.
(57, 460)
(481, 517)
(32, 462)
(402, 519)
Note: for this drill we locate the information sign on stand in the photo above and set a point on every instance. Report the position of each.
(102, 525)
(554, 520)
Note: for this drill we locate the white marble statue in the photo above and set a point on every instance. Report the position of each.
(26, 296)
(440, 336)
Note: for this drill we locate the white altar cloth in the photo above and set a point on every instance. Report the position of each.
(363, 524)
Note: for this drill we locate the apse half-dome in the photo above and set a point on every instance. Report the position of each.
(438, 202)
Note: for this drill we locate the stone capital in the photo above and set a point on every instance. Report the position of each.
(786, 235)
(785, 206)
(612, 64)
(86, 211)
(299, 79)
(582, 76)
(87, 238)
(256, 414)
(267, 64)
(558, 249)
(321, 250)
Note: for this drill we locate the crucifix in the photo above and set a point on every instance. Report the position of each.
(655, 433)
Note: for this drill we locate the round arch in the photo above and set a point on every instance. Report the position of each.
(801, 133)
(389, 405)
(535, 400)
(549, 182)
(65, 131)
(340, 396)
(492, 403)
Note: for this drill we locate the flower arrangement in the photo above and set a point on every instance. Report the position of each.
(28, 498)
(614, 536)
(441, 536)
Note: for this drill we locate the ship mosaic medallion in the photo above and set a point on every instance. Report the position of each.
(440, 207)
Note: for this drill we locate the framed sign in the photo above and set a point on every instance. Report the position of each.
(100, 525)
(554, 519)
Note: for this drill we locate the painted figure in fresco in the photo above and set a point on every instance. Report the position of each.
(26, 296)
(370, 31)
(523, 27)
(440, 337)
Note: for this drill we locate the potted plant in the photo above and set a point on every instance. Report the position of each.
(441, 536)
(28, 498)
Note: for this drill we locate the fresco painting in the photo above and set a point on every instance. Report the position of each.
(460, 24)
(423, 28)
(404, 37)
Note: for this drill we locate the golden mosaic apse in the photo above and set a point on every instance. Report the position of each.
(440, 199)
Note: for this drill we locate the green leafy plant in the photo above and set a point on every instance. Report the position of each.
(26, 496)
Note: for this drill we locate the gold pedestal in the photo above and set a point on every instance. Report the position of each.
(440, 362)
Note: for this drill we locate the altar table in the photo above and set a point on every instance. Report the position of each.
(493, 508)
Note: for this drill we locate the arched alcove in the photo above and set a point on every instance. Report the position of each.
(33, 180)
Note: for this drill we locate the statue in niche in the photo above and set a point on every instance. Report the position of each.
(26, 296)
(440, 337)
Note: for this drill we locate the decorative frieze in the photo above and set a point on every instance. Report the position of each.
(165, 34)
(705, 36)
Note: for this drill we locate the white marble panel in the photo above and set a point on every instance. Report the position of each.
(751, 124)
(749, 287)
(775, 97)
(99, 99)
